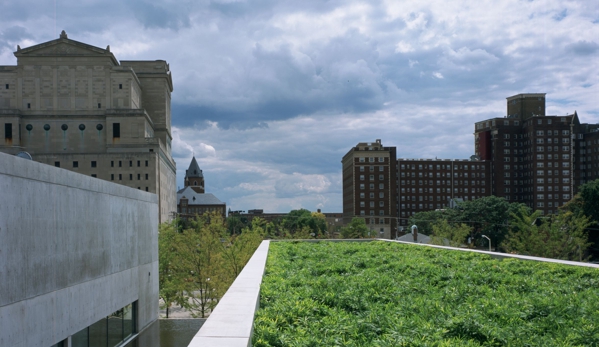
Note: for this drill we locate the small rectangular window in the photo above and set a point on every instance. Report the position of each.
(99, 105)
(138, 163)
(146, 189)
(116, 129)
(75, 164)
(7, 86)
(28, 105)
(138, 177)
(120, 163)
(8, 131)
(120, 177)
(146, 163)
(130, 163)
(57, 163)
(130, 177)
(112, 163)
(93, 163)
(94, 175)
(112, 177)
(120, 86)
(146, 176)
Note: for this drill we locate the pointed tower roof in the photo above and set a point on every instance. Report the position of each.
(194, 169)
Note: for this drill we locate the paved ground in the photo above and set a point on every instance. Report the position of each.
(175, 311)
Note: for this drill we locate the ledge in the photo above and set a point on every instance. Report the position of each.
(232, 321)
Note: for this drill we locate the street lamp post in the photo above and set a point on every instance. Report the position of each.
(486, 237)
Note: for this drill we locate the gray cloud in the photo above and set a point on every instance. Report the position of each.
(583, 47)
(270, 95)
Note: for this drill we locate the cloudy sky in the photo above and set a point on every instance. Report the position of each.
(270, 94)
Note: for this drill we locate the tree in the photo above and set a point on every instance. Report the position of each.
(298, 220)
(561, 236)
(170, 279)
(235, 224)
(446, 234)
(586, 202)
(198, 264)
(199, 254)
(356, 229)
(488, 216)
(426, 219)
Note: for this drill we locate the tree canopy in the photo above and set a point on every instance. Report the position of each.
(356, 229)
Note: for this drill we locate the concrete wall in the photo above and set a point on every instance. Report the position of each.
(73, 249)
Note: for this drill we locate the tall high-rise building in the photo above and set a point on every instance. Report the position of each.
(75, 106)
(537, 159)
(526, 157)
(369, 187)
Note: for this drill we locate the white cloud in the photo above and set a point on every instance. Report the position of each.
(270, 95)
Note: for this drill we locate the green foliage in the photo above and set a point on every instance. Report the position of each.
(561, 236)
(357, 229)
(170, 280)
(488, 216)
(445, 234)
(303, 220)
(390, 294)
(198, 264)
(586, 203)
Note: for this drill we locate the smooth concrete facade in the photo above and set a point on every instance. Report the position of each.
(73, 249)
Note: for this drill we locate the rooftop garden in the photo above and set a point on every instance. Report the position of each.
(391, 294)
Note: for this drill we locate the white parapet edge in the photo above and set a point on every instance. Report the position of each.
(232, 321)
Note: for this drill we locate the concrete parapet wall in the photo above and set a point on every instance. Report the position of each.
(73, 249)
(232, 321)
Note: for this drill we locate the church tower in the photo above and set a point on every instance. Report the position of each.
(194, 177)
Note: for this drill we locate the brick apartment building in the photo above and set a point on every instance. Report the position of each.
(430, 184)
(526, 157)
(370, 185)
(537, 159)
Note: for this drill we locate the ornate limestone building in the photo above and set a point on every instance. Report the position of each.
(75, 106)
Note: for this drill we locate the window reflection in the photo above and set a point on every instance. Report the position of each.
(109, 331)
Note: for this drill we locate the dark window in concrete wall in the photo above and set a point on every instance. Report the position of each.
(130, 163)
(94, 175)
(57, 163)
(130, 177)
(112, 163)
(146, 189)
(120, 177)
(120, 86)
(28, 105)
(108, 331)
(116, 129)
(7, 87)
(93, 163)
(112, 177)
(75, 164)
(138, 163)
(120, 163)
(146, 177)
(146, 163)
(8, 131)
(138, 177)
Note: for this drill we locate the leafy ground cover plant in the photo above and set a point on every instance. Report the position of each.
(390, 294)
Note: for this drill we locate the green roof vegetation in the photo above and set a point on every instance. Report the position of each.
(391, 294)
